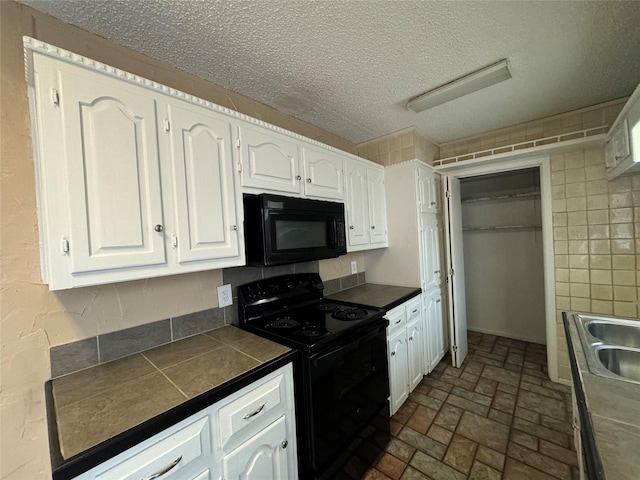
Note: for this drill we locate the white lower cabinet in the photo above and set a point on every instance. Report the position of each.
(250, 434)
(435, 337)
(404, 347)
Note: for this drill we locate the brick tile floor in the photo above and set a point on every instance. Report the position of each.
(497, 417)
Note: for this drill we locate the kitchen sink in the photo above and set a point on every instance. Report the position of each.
(621, 361)
(611, 346)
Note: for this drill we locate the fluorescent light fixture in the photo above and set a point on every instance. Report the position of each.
(485, 77)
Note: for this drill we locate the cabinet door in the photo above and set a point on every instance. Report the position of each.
(414, 352)
(398, 369)
(111, 148)
(429, 251)
(263, 457)
(357, 208)
(269, 160)
(377, 207)
(323, 174)
(203, 186)
(429, 190)
(434, 332)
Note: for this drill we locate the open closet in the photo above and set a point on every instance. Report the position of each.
(503, 254)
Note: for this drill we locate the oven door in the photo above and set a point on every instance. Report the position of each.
(346, 386)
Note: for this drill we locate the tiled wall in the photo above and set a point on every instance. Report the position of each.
(591, 117)
(88, 352)
(399, 147)
(596, 231)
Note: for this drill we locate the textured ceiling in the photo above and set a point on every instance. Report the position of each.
(350, 66)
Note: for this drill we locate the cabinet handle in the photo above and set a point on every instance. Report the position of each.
(410, 338)
(436, 271)
(351, 227)
(438, 301)
(158, 228)
(165, 470)
(393, 354)
(414, 311)
(308, 180)
(433, 203)
(255, 412)
(234, 227)
(298, 177)
(285, 444)
(398, 321)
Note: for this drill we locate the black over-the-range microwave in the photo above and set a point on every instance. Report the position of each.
(280, 230)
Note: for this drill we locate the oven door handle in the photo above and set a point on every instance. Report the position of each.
(333, 355)
(332, 234)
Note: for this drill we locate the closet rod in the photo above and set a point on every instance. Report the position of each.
(501, 197)
(501, 227)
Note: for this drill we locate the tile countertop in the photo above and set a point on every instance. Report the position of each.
(95, 405)
(614, 408)
(376, 295)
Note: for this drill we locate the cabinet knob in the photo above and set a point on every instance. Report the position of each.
(234, 227)
(393, 354)
(158, 228)
(410, 338)
(351, 227)
(308, 180)
(285, 444)
(373, 227)
(298, 177)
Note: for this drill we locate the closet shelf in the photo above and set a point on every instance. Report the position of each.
(501, 197)
(500, 227)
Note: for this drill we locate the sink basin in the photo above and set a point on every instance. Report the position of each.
(615, 333)
(611, 346)
(621, 361)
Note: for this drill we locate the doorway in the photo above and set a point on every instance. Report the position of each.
(456, 176)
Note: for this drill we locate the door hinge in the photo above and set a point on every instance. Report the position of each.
(174, 241)
(55, 97)
(237, 142)
(65, 246)
(447, 194)
(451, 272)
(167, 125)
(455, 348)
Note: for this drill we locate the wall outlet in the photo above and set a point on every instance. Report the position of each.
(354, 267)
(224, 295)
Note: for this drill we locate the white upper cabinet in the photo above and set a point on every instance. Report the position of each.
(132, 183)
(269, 161)
(323, 174)
(622, 151)
(366, 206)
(430, 238)
(109, 151)
(206, 224)
(429, 190)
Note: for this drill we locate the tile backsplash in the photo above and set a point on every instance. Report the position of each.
(88, 352)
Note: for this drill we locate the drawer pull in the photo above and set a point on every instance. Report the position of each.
(255, 412)
(166, 470)
(414, 311)
(398, 321)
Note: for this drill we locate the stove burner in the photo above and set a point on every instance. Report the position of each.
(313, 331)
(350, 314)
(326, 307)
(284, 322)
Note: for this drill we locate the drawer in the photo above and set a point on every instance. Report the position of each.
(185, 447)
(397, 319)
(252, 407)
(414, 309)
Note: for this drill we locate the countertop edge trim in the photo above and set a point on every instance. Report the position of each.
(591, 457)
(94, 456)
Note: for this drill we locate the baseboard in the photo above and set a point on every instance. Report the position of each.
(505, 334)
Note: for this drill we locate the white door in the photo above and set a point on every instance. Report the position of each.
(377, 206)
(269, 161)
(204, 193)
(323, 174)
(426, 194)
(455, 269)
(357, 199)
(111, 149)
(262, 457)
(430, 251)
